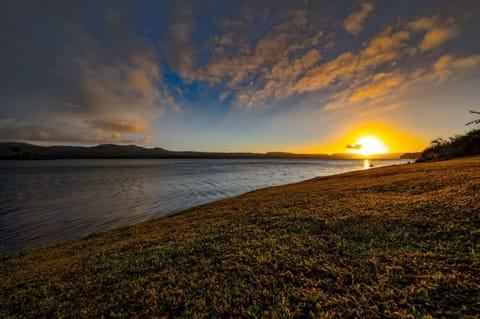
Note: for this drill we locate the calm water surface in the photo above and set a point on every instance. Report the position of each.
(46, 201)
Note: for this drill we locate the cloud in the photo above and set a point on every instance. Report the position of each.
(267, 53)
(437, 31)
(364, 84)
(130, 85)
(371, 78)
(447, 65)
(280, 77)
(123, 126)
(355, 146)
(372, 93)
(381, 84)
(255, 72)
(147, 139)
(295, 57)
(355, 21)
(62, 133)
(177, 43)
(85, 87)
(449, 62)
(380, 109)
(382, 91)
(386, 47)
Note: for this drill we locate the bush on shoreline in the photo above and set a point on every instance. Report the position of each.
(453, 147)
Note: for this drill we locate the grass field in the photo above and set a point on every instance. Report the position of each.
(400, 242)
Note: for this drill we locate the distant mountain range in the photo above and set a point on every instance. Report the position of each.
(24, 151)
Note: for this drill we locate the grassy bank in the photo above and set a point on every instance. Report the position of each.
(396, 241)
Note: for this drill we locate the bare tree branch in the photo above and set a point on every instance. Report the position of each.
(477, 121)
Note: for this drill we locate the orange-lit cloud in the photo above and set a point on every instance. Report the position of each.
(446, 65)
(123, 126)
(354, 22)
(381, 49)
(437, 31)
(63, 133)
(288, 60)
(268, 58)
(382, 84)
(147, 139)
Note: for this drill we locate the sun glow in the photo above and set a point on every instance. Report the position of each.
(369, 145)
(380, 138)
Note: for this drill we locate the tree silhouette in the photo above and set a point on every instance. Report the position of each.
(477, 121)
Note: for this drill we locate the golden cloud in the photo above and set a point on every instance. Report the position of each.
(381, 85)
(437, 31)
(385, 47)
(62, 132)
(287, 60)
(123, 126)
(254, 73)
(446, 65)
(447, 62)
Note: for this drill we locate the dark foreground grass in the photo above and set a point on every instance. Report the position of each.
(389, 242)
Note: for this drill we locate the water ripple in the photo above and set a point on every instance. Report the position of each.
(46, 201)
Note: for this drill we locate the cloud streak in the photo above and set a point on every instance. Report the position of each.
(63, 133)
(355, 21)
(437, 31)
(447, 65)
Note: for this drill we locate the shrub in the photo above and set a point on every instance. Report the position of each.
(457, 146)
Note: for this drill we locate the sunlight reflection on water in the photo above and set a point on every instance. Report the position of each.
(367, 164)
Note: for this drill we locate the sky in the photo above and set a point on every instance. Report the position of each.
(257, 76)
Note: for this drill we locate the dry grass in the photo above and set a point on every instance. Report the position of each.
(388, 242)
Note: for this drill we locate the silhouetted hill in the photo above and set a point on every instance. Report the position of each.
(28, 151)
(415, 155)
(21, 151)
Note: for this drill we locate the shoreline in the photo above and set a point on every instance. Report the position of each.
(224, 189)
(323, 246)
(24, 151)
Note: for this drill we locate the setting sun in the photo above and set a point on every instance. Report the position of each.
(368, 145)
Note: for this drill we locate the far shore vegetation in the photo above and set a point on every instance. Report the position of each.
(457, 146)
(453, 147)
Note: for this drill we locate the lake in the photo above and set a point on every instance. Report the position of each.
(46, 201)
